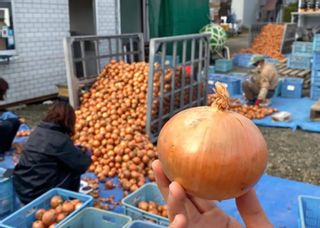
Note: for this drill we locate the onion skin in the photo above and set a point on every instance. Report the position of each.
(214, 154)
(56, 201)
(67, 207)
(38, 224)
(39, 214)
(49, 217)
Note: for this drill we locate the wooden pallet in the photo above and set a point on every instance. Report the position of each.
(284, 71)
(315, 112)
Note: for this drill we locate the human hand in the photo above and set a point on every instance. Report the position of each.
(187, 211)
(258, 102)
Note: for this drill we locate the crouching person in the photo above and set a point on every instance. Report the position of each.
(261, 86)
(50, 159)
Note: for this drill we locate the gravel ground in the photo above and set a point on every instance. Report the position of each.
(293, 155)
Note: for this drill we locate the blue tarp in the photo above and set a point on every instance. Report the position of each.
(300, 112)
(278, 196)
(7, 115)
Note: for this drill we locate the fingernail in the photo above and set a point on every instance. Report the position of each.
(170, 189)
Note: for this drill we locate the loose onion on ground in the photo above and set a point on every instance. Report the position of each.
(212, 152)
(249, 111)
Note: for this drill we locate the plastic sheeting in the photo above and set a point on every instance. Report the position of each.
(300, 112)
(177, 17)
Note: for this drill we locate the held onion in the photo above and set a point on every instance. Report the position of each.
(212, 152)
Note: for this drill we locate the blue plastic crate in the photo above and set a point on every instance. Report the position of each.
(233, 84)
(24, 217)
(242, 77)
(299, 62)
(223, 65)
(148, 192)
(272, 61)
(292, 87)
(7, 195)
(243, 60)
(211, 70)
(315, 78)
(315, 92)
(309, 211)
(92, 217)
(316, 61)
(316, 42)
(212, 79)
(302, 48)
(143, 224)
(168, 59)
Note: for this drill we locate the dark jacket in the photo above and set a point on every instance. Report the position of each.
(49, 157)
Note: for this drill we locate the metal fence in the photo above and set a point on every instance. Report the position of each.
(289, 35)
(177, 78)
(178, 70)
(86, 56)
(254, 31)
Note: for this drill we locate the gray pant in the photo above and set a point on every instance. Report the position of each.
(252, 91)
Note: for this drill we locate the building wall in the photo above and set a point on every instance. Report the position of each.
(246, 10)
(107, 17)
(40, 26)
(81, 17)
(39, 30)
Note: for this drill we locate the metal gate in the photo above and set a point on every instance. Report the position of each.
(86, 56)
(177, 78)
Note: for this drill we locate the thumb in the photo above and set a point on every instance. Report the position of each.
(179, 221)
(251, 211)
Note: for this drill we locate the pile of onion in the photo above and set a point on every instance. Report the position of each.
(212, 152)
(58, 211)
(111, 122)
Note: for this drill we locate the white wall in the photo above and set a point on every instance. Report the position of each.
(246, 11)
(39, 30)
(107, 17)
(40, 27)
(237, 6)
(251, 11)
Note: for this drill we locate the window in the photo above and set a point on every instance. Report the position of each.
(7, 42)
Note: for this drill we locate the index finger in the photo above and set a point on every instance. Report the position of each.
(162, 181)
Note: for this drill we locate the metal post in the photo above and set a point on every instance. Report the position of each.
(196, 90)
(113, 48)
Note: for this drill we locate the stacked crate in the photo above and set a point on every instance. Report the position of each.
(301, 55)
(315, 77)
(223, 65)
